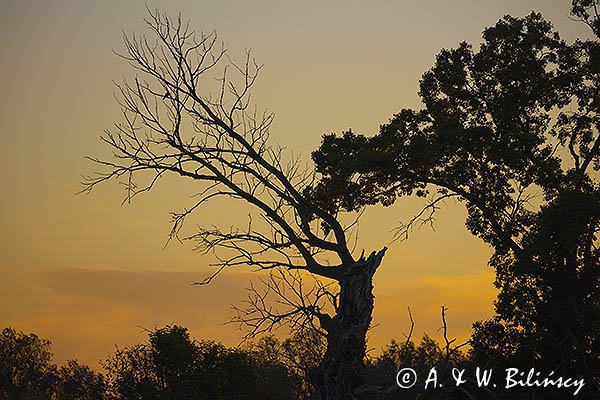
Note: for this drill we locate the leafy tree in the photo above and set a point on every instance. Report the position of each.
(26, 371)
(79, 382)
(588, 11)
(130, 374)
(422, 357)
(300, 354)
(511, 131)
(175, 122)
(173, 366)
(163, 367)
(269, 355)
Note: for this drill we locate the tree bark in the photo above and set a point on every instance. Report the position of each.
(341, 370)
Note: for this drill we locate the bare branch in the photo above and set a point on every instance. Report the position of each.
(176, 120)
(449, 350)
(424, 217)
(285, 299)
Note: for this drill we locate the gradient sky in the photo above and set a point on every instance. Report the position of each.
(88, 273)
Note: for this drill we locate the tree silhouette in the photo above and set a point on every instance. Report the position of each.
(79, 382)
(174, 124)
(511, 131)
(587, 11)
(173, 366)
(301, 353)
(26, 371)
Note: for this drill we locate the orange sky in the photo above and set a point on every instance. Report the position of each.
(87, 273)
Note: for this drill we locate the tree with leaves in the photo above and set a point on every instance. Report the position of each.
(171, 365)
(79, 382)
(511, 130)
(175, 124)
(26, 370)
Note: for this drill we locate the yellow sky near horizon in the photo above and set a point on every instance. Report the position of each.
(87, 273)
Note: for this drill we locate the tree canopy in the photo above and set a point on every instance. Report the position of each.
(27, 372)
(171, 365)
(510, 130)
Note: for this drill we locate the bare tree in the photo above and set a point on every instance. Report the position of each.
(448, 348)
(174, 124)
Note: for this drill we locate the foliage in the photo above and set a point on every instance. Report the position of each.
(301, 354)
(26, 371)
(427, 354)
(510, 130)
(588, 12)
(79, 382)
(172, 365)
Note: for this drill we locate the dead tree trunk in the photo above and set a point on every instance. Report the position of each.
(340, 371)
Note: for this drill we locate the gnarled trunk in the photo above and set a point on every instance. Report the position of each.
(341, 369)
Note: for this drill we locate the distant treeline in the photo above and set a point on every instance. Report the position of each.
(172, 365)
